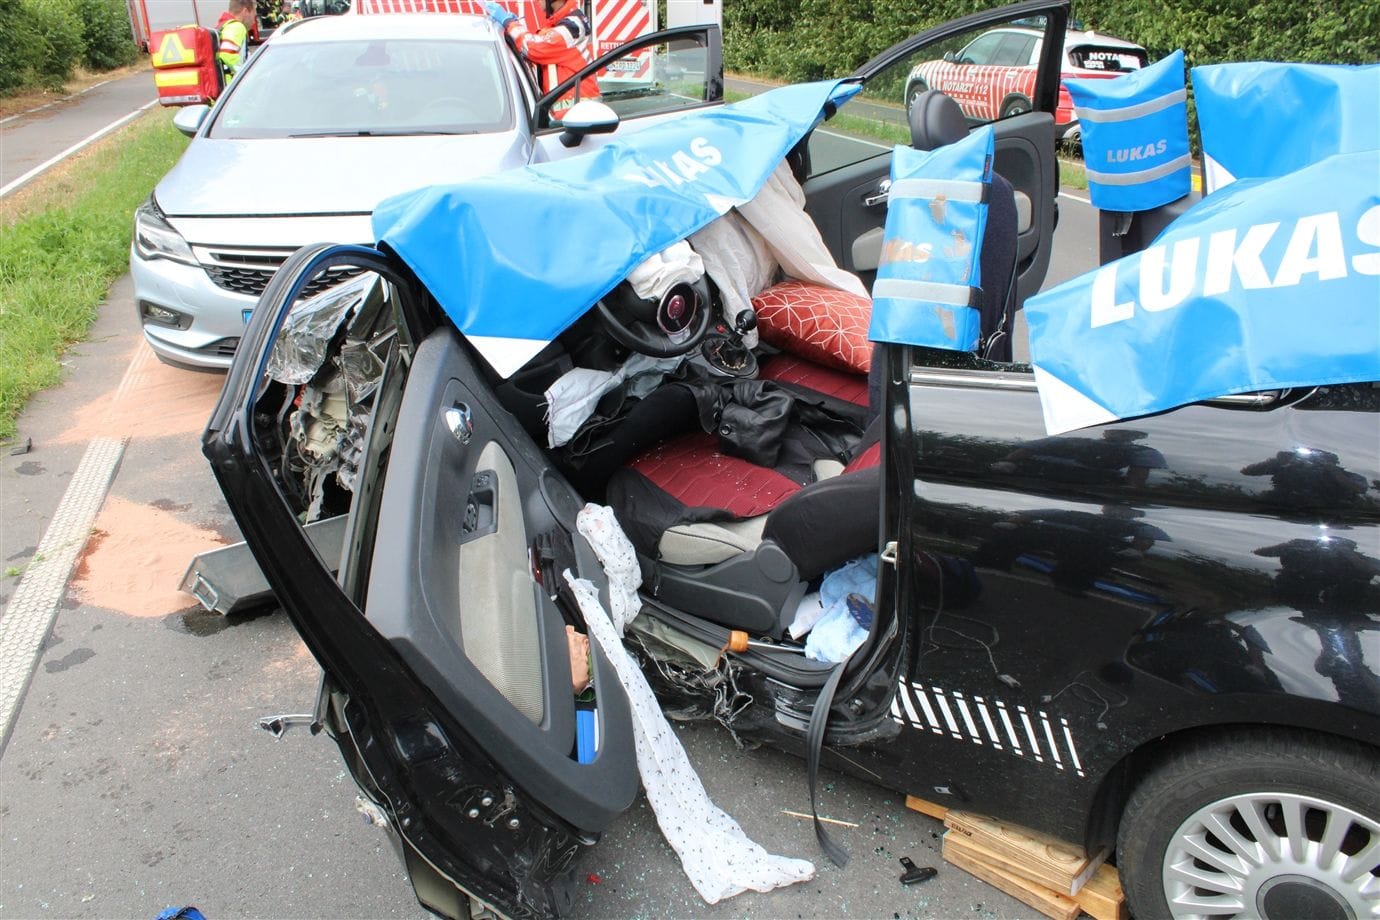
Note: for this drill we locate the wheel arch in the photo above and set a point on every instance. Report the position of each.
(1014, 97)
(1118, 784)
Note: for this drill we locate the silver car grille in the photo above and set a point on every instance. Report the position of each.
(246, 270)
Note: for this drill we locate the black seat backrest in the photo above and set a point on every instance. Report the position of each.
(936, 120)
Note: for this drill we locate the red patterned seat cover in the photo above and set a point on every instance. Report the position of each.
(823, 324)
(691, 470)
(844, 385)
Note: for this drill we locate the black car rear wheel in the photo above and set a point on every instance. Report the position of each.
(1015, 106)
(1275, 825)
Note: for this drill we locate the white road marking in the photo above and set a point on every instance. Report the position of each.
(75, 148)
(46, 105)
(29, 615)
(1064, 194)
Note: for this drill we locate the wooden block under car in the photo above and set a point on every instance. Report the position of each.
(1102, 898)
(1048, 902)
(926, 808)
(1038, 857)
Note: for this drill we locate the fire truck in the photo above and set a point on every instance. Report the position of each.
(149, 16)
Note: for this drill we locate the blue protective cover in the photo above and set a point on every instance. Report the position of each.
(1135, 160)
(1268, 283)
(933, 240)
(515, 258)
(1259, 120)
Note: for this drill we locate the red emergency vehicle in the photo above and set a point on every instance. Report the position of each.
(993, 76)
(613, 23)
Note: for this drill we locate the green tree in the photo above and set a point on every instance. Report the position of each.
(106, 34)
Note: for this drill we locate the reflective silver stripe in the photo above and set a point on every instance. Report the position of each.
(952, 189)
(1126, 113)
(1144, 175)
(958, 295)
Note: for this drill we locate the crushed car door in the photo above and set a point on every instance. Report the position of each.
(448, 680)
(847, 160)
(657, 77)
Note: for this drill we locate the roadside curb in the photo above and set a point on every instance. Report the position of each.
(29, 616)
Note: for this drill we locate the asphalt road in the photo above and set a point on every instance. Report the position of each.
(29, 139)
(135, 777)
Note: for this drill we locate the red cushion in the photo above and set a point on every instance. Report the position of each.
(692, 471)
(816, 322)
(843, 385)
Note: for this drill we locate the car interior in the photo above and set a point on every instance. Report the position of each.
(740, 473)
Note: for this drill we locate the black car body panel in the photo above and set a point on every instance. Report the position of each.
(1106, 589)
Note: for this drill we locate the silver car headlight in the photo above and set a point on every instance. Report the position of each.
(155, 238)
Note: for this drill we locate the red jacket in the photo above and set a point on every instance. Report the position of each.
(559, 49)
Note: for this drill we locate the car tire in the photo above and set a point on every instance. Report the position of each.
(1017, 106)
(1286, 824)
(913, 92)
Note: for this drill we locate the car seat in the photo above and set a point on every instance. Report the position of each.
(737, 543)
(936, 120)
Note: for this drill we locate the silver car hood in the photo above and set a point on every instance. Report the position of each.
(328, 175)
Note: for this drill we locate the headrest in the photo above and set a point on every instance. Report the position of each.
(935, 120)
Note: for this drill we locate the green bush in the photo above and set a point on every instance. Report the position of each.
(807, 39)
(59, 32)
(19, 46)
(106, 34)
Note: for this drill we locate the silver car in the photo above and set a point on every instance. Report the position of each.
(332, 116)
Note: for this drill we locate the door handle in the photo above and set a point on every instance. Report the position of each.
(880, 196)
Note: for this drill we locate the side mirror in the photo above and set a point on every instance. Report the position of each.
(189, 118)
(951, 57)
(588, 116)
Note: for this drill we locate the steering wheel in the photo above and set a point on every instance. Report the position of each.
(665, 327)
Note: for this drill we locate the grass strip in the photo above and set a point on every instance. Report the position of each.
(63, 245)
(1072, 174)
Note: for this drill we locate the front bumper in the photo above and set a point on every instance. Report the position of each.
(210, 318)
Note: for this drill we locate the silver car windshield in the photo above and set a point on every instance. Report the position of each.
(366, 89)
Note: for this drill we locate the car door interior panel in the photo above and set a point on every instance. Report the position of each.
(452, 587)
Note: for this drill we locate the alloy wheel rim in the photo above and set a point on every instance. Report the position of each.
(1274, 855)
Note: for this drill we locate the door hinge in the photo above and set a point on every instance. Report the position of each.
(888, 554)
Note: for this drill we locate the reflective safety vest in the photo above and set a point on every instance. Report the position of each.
(928, 279)
(1135, 136)
(234, 40)
(559, 48)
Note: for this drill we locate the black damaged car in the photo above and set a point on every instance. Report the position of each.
(1157, 638)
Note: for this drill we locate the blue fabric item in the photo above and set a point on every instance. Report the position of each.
(1259, 120)
(1268, 283)
(586, 734)
(1135, 136)
(930, 265)
(846, 595)
(180, 913)
(498, 14)
(515, 258)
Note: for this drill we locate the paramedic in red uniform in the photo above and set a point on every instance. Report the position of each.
(234, 26)
(558, 49)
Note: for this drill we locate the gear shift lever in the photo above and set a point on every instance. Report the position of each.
(727, 354)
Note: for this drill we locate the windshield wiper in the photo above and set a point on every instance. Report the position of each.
(377, 132)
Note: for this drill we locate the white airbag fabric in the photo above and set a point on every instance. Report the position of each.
(742, 251)
(659, 272)
(717, 856)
